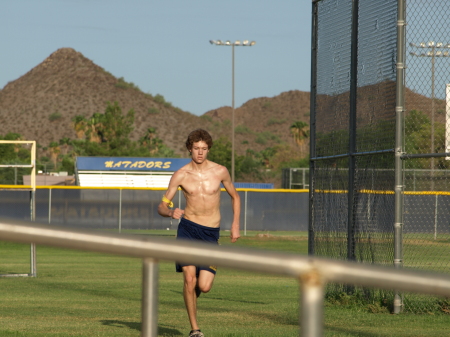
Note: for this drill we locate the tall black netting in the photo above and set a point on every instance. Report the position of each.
(354, 133)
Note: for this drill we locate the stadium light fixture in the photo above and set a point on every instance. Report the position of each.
(245, 43)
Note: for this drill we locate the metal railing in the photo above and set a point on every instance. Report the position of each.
(312, 273)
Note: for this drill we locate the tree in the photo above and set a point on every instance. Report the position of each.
(55, 150)
(220, 153)
(80, 124)
(300, 134)
(65, 142)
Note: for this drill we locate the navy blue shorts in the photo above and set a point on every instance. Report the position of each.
(189, 230)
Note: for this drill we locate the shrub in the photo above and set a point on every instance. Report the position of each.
(242, 129)
(153, 111)
(54, 116)
(264, 137)
(275, 121)
(159, 99)
(121, 83)
(206, 117)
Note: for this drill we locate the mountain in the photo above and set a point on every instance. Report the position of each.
(41, 104)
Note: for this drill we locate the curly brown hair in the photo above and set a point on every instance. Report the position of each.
(197, 136)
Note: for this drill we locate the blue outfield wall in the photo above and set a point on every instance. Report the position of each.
(100, 208)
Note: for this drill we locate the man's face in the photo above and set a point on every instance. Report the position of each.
(199, 152)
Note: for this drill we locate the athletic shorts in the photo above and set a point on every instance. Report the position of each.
(189, 230)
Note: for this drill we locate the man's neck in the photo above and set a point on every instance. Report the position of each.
(200, 166)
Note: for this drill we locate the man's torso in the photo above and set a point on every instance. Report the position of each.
(202, 192)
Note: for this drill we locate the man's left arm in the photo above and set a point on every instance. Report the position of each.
(236, 205)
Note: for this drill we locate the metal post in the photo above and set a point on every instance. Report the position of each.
(311, 305)
(303, 178)
(399, 183)
(245, 214)
(433, 55)
(432, 117)
(232, 114)
(312, 123)
(120, 210)
(33, 272)
(149, 326)
(290, 178)
(352, 134)
(435, 217)
(49, 205)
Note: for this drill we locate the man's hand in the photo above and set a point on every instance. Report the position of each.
(234, 234)
(177, 213)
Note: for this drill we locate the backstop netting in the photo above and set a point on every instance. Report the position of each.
(353, 133)
(380, 137)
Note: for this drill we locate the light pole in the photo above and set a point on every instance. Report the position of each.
(434, 50)
(244, 43)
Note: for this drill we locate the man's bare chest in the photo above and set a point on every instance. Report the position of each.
(201, 185)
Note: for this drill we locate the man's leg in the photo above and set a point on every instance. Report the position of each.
(190, 297)
(204, 282)
(193, 286)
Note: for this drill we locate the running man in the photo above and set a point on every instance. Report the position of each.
(200, 220)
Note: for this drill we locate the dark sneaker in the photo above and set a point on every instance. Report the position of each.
(196, 333)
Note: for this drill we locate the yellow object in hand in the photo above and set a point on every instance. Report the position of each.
(167, 201)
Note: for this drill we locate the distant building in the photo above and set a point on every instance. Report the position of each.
(61, 179)
(126, 171)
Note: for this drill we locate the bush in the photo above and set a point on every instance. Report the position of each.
(121, 83)
(263, 137)
(54, 116)
(206, 117)
(153, 111)
(274, 121)
(242, 129)
(159, 99)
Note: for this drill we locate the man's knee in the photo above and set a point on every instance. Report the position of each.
(190, 279)
(204, 288)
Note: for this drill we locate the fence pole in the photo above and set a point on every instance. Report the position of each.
(399, 182)
(33, 264)
(351, 207)
(311, 304)
(49, 205)
(435, 217)
(245, 214)
(149, 327)
(120, 210)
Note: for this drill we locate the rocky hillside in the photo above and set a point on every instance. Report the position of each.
(41, 104)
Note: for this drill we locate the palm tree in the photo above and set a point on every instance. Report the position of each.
(300, 134)
(54, 153)
(65, 142)
(80, 124)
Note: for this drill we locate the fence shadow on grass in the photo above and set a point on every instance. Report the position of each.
(352, 332)
(222, 299)
(162, 331)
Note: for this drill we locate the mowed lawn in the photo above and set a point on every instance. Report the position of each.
(88, 294)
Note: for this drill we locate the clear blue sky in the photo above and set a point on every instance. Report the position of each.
(163, 46)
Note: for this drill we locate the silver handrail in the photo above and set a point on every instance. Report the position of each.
(313, 273)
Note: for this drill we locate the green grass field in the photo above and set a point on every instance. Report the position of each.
(88, 294)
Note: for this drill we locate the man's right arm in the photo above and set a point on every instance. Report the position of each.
(163, 207)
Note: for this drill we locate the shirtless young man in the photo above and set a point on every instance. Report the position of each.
(200, 220)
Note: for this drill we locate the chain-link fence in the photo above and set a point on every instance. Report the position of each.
(426, 131)
(353, 133)
(128, 208)
(380, 131)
